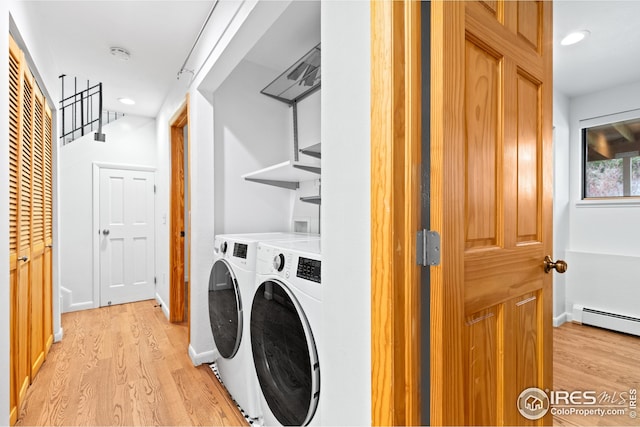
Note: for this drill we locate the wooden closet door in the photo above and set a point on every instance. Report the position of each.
(21, 119)
(48, 229)
(24, 235)
(30, 227)
(15, 92)
(36, 291)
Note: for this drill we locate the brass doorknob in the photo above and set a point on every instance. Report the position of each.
(559, 265)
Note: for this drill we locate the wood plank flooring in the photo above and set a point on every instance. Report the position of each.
(588, 358)
(125, 365)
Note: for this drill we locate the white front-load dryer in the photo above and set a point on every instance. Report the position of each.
(285, 330)
(231, 289)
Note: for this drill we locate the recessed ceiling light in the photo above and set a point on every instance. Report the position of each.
(127, 101)
(575, 37)
(121, 53)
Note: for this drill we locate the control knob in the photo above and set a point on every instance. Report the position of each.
(278, 262)
(223, 247)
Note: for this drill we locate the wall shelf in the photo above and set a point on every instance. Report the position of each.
(285, 175)
(298, 81)
(311, 199)
(313, 150)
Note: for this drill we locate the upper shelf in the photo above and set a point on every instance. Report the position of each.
(286, 174)
(298, 81)
(313, 150)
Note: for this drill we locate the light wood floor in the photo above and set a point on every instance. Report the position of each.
(588, 358)
(125, 365)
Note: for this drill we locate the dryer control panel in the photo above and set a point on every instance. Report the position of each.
(309, 269)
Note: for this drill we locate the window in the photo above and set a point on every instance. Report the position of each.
(612, 160)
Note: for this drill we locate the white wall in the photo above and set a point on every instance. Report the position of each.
(251, 132)
(561, 178)
(202, 224)
(345, 356)
(603, 235)
(309, 133)
(131, 140)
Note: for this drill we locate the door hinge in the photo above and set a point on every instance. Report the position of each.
(428, 248)
(154, 189)
(155, 280)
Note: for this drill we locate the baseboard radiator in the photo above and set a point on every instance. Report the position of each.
(607, 320)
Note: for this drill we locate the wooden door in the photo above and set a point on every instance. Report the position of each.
(36, 284)
(178, 232)
(18, 275)
(30, 227)
(491, 196)
(23, 268)
(127, 236)
(48, 229)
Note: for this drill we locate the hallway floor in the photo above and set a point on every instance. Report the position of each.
(593, 359)
(125, 365)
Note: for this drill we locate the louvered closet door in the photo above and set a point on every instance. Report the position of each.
(20, 223)
(24, 230)
(37, 236)
(48, 228)
(30, 227)
(14, 142)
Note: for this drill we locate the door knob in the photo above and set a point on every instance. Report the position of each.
(560, 265)
(105, 231)
(23, 258)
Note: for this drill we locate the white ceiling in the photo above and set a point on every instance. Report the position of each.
(608, 57)
(159, 34)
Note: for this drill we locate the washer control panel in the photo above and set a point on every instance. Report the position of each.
(309, 269)
(240, 250)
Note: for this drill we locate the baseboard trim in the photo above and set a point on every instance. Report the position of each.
(202, 358)
(165, 307)
(57, 337)
(559, 320)
(87, 305)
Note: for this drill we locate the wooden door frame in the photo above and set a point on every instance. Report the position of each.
(395, 211)
(177, 202)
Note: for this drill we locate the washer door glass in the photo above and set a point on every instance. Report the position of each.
(225, 309)
(284, 355)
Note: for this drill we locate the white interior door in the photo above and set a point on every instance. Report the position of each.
(127, 235)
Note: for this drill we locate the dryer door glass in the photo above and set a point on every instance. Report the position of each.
(225, 309)
(284, 355)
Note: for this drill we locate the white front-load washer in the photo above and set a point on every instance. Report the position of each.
(231, 289)
(285, 330)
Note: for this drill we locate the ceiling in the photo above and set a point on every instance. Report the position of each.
(159, 34)
(607, 57)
